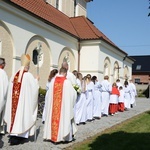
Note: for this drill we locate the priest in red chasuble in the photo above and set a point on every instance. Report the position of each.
(22, 103)
(59, 123)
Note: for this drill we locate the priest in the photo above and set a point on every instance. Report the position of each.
(22, 103)
(59, 123)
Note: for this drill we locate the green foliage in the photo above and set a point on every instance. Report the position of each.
(140, 93)
(41, 102)
(42, 92)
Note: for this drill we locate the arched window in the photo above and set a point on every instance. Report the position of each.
(107, 66)
(57, 4)
(35, 57)
(126, 73)
(116, 71)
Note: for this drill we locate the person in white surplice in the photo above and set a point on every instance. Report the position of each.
(22, 103)
(59, 121)
(118, 83)
(77, 105)
(3, 92)
(97, 98)
(127, 96)
(133, 93)
(106, 89)
(89, 97)
(80, 106)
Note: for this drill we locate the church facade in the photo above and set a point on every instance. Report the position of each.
(51, 32)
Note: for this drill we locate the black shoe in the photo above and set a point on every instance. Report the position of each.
(104, 115)
(66, 142)
(98, 118)
(82, 123)
(126, 109)
(14, 140)
(89, 120)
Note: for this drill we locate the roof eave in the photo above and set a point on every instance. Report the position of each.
(88, 0)
(43, 20)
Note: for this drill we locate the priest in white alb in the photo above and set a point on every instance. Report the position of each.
(22, 103)
(3, 92)
(59, 123)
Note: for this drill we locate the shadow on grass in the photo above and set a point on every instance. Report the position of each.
(121, 141)
(148, 112)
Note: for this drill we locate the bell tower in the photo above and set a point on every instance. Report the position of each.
(72, 8)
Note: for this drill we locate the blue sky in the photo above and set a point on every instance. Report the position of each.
(124, 22)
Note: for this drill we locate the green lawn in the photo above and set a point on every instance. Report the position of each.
(133, 134)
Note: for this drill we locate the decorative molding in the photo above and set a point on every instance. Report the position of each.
(54, 66)
(92, 71)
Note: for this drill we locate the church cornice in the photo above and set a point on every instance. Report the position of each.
(88, 0)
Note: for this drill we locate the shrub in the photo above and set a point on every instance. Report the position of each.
(42, 92)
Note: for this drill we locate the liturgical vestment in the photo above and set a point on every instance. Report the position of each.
(21, 106)
(3, 92)
(60, 101)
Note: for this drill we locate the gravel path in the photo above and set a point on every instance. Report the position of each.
(84, 131)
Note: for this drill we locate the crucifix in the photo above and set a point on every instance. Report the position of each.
(118, 70)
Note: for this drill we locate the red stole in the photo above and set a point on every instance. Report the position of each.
(56, 109)
(15, 97)
(115, 91)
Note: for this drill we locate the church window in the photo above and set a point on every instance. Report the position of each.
(138, 67)
(35, 57)
(57, 4)
(137, 80)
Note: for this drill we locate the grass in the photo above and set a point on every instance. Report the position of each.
(133, 134)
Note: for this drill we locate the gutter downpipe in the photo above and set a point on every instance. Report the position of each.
(79, 55)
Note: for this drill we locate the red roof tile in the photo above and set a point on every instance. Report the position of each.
(47, 12)
(86, 29)
(80, 27)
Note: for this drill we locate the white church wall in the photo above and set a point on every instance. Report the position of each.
(81, 8)
(114, 56)
(93, 55)
(24, 27)
(89, 57)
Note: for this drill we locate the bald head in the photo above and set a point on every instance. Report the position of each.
(64, 65)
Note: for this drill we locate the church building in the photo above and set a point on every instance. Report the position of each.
(53, 31)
